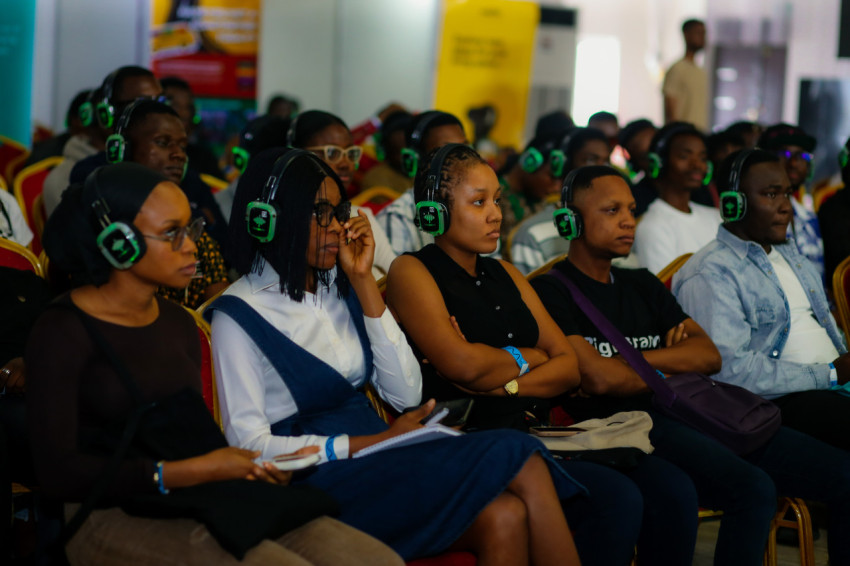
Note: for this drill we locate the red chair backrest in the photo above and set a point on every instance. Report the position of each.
(8, 258)
(16, 256)
(207, 376)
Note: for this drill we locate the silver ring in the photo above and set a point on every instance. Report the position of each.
(7, 371)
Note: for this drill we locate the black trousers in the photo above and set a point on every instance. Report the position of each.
(822, 414)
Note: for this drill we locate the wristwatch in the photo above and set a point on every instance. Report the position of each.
(512, 388)
(520, 361)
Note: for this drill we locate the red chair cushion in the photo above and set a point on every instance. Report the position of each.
(8, 258)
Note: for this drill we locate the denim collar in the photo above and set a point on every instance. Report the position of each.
(740, 247)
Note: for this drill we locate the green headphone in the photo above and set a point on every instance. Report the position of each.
(410, 155)
(843, 157)
(240, 158)
(656, 161)
(116, 144)
(261, 214)
(104, 110)
(733, 203)
(86, 110)
(120, 243)
(432, 215)
(531, 160)
(568, 220)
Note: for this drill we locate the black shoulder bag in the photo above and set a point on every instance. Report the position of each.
(238, 513)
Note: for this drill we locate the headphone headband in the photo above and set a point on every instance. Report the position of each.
(567, 187)
(290, 133)
(667, 137)
(432, 215)
(261, 214)
(733, 203)
(737, 168)
(420, 129)
(120, 243)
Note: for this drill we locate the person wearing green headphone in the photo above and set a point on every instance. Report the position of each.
(673, 224)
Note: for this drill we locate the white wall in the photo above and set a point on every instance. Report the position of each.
(349, 57)
(649, 32)
(78, 42)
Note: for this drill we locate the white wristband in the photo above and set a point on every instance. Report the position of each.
(833, 375)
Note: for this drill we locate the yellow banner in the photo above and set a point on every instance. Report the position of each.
(485, 59)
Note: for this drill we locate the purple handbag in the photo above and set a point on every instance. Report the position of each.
(737, 418)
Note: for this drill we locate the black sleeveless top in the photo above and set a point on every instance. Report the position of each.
(489, 310)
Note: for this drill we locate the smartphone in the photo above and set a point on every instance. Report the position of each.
(450, 413)
(291, 462)
(555, 430)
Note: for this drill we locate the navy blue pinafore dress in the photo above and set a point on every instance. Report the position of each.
(417, 499)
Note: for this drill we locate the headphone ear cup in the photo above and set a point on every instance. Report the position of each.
(655, 164)
(121, 244)
(105, 114)
(843, 157)
(261, 219)
(568, 222)
(531, 160)
(709, 173)
(115, 148)
(432, 217)
(557, 161)
(409, 161)
(240, 159)
(733, 206)
(86, 113)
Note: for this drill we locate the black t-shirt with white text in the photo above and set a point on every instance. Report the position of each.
(635, 301)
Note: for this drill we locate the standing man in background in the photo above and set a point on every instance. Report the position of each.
(685, 86)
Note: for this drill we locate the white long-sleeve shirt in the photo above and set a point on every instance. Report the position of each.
(252, 395)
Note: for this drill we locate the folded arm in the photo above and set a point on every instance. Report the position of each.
(416, 301)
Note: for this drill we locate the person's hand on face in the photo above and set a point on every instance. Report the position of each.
(356, 246)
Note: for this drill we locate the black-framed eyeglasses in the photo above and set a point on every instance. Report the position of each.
(789, 155)
(333, 153)
(177, 235)
(325, 212)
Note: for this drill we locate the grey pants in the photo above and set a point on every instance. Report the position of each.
(111, 537)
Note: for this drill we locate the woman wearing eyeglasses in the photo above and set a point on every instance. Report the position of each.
(111, 346)
(304, 328)
(329, 138)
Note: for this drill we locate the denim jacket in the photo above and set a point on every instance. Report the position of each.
(730, 289)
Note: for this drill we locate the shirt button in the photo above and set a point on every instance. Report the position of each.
(478, 283)
(774, 353)
(510, 334)
(498, 308)
(811, 290)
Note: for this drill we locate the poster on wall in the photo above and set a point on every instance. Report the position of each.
(484, 66)
(212, 44)
(17, 33)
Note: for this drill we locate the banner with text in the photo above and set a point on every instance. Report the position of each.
(484, 66)
(212, 44)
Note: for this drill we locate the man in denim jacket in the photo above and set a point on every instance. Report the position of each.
(763, 303)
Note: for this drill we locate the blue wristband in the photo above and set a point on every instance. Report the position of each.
(157, 476)
(329, 448)
(520, 361)
(833, 375)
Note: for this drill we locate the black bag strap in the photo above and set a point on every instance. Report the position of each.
(109, 472)
(645, 371)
